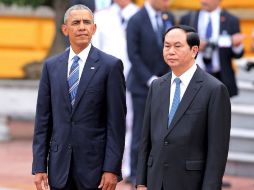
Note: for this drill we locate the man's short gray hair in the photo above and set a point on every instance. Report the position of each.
(76, 7)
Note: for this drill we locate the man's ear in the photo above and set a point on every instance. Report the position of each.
(194, 51)
(64, 29)
(94, 28)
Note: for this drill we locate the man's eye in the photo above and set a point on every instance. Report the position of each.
(87, 22)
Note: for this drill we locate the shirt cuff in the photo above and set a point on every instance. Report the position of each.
(238, 49)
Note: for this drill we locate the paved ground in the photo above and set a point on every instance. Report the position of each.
(16, 156)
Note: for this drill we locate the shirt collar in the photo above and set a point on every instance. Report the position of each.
(213, 13)
(82, 55)
(186, 76)
(151, 11)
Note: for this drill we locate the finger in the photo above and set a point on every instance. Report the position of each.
(45, 181)
(37, 183)
(105, 186)
(38, 186)
(102, 182)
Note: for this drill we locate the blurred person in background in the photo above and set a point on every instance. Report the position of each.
(221, 41)
(145, 32)
(111, 38)
(252, 42)
(185, 136)
(79, 130)
(94, 5)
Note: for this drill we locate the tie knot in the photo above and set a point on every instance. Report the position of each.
(177, 81)
(75, 58)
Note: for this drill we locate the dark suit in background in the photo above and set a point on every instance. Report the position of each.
(191, 152)
(145, 54)
(78, 144)
(88, 3)
(230, 25)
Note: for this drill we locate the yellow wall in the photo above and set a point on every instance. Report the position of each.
(22, 40)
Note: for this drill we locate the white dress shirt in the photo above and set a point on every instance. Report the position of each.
(110, 36)
(185, 80)
(152, 15)
(82, 59)
(202, 25)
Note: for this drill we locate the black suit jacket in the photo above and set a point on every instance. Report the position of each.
(144, 52)
(192, 154)
(230, 24)
(91, 135)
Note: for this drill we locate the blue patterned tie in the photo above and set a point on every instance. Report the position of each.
(73, 79)
(176, 101)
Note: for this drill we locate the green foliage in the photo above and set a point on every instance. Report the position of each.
(33, 3)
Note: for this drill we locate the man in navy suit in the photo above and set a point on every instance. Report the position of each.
(80, 119)
(145, 31)
(221, 41)
(185, 136)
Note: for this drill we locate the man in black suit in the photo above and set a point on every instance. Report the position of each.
(144, 44)
(92, 4)
(186, 129)
(80, 119)
(221, 41)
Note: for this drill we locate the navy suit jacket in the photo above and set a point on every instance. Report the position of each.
(144, 52)
(91, 135)
(230, 24)
(192, 154)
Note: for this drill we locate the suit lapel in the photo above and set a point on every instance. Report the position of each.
(91, 67)
(191, 91)
(63, 68)
(164, 102)
(148, 25)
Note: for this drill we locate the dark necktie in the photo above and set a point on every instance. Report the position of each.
(73, 79)
(176, 101)
(208, 52)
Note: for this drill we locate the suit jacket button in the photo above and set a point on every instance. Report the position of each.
(69, 146)
(166, 143)
(165, 164)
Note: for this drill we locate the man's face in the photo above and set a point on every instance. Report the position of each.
(80, 29)
(209, 5)
(160, 5)
(177, 53)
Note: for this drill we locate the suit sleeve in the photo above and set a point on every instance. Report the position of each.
(134, 51)
(43, 125)
(116, 112)
(145, 143)
(219, 124)
(236, 29)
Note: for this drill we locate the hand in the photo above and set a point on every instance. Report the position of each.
(108, 181)
(237, 39)
(39, 179)
(141, 187)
